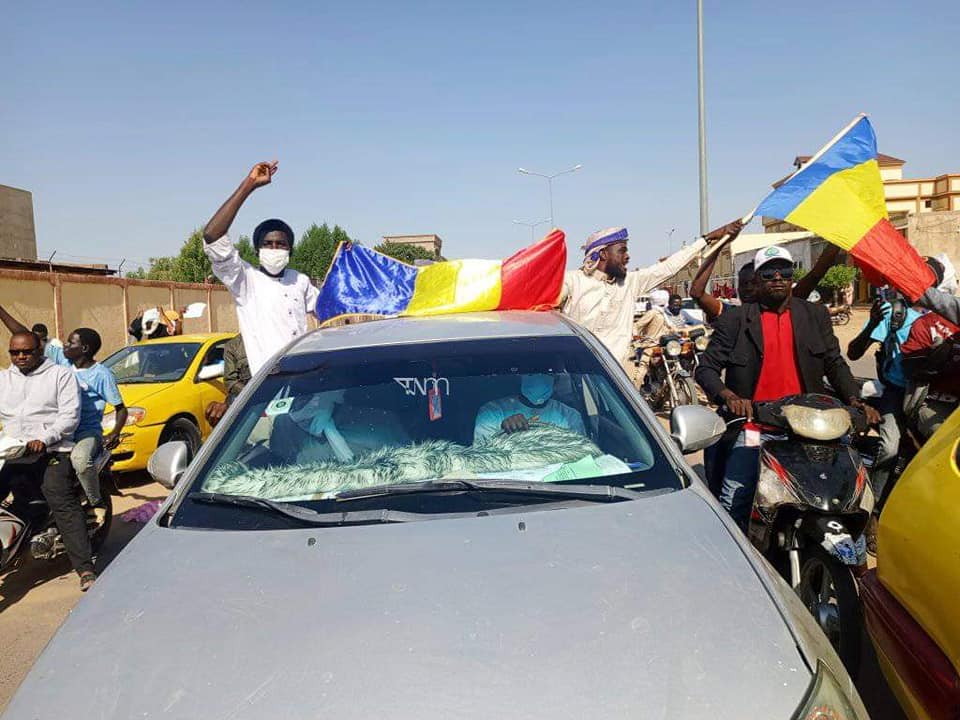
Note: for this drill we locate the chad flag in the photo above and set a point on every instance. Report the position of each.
(839, 196)
(362, 281)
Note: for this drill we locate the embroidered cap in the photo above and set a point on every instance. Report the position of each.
(603, 238)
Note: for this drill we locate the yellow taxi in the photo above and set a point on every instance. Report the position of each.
(165, 384)
(911, 600)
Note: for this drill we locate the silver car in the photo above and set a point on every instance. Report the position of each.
(461, 517)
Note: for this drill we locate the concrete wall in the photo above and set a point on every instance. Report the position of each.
(66, 302)
(935, 233)
(18, 237)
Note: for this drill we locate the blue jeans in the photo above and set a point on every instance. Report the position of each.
(740, 478)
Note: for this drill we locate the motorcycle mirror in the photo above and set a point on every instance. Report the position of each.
(694, 427)
(168, 463)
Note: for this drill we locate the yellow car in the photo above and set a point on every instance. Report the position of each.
(166, 384)
(912, 600)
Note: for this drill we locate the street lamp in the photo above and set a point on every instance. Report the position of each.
(532, 226)
(549, 179)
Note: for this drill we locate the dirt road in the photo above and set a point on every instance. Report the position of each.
(36, 597)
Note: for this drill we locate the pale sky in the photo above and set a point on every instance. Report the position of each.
(131, 122)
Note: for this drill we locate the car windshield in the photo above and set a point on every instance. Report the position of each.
(152, 362)
(538, 410)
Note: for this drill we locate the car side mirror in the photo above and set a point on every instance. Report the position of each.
(209, 372)
(168, 463)
(694, 427)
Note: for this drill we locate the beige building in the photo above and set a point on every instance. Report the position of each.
(430, 243)
(18, 239)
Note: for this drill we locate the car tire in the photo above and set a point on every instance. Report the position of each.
(185, 431)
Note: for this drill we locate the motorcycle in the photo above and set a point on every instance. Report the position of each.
(27, 522)
(840, 315)
(670, 376)
(811, 507)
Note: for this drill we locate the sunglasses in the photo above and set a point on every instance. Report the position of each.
(771, 273)
(14, 353)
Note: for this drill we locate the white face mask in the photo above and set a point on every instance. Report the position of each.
(274, 260)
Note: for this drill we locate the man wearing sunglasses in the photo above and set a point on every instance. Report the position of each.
(40, 406)
(777, 346)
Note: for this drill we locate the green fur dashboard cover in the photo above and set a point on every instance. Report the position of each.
(539, 446)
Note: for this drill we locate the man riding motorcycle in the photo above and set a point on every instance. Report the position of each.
(40, 406)
(773, 348)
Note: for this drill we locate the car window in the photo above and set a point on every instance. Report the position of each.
(214, 355)
(540, 410)
(152, 362)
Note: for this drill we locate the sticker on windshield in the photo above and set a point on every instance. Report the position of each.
(280, 406)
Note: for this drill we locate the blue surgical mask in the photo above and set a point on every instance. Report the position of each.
(537, 389)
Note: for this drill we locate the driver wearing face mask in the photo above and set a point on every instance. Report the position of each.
(533, 404)
(272, 300)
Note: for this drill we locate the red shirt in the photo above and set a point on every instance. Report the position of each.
(924, 332)
(779, 376)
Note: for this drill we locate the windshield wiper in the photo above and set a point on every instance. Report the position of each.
(595, 493)
(306, 515)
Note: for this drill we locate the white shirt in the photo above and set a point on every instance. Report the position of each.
(492, 414)
(271, 311)
(605, 306)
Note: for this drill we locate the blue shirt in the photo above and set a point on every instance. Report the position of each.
(55, 353)
(893, 357)
(98, 387)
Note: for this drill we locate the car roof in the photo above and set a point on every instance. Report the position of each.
(191, 338)
(462, 326)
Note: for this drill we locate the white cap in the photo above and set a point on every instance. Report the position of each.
(774, 252)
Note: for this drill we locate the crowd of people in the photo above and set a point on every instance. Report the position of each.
(774, 343)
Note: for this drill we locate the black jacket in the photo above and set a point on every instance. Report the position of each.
(737, 347)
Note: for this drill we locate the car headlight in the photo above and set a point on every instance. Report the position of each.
(701, 343)
(134, 416)
(817, 424)
(673, 348)
(826, 700)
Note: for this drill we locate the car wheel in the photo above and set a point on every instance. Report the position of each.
(185, 431)
(828, 590)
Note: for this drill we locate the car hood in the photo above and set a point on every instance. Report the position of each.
(636, 609)
(135, 394)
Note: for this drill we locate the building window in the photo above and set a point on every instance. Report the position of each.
(928, 204)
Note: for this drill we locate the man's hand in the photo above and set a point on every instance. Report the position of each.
(737, 405)
(732, 229)
(215, 412)
(35, 447)
(517, 423)
(877, 312)
(873, 416)
(262, 173)
(112, 440)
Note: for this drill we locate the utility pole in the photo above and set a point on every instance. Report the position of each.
(704, 215)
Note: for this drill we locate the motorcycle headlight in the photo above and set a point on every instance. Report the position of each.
(773, 487)
(134, 416)
(701, 343)
(826, 700)
(673, 348)
(817, 424)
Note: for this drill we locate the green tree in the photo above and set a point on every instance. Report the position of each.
(314, 253)
(247, 251)
(404, 253)
(839, 277)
